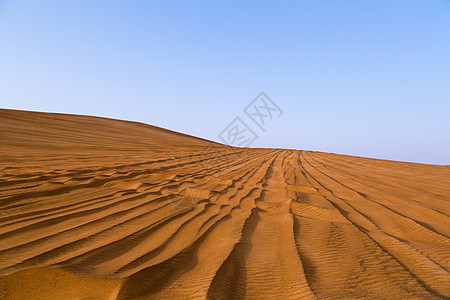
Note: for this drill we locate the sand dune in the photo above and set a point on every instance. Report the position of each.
(94, 208)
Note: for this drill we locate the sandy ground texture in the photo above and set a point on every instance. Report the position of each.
(94, 208)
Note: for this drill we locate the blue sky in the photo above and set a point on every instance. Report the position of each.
(366, 78)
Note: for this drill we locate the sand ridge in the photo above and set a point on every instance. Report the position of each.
(109, 209)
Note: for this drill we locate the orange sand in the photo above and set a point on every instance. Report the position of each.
(94, 208)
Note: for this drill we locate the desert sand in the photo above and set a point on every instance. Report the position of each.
(95, 208)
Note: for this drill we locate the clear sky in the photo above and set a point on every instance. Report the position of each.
(366, 78)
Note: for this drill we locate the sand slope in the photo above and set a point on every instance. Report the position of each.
(93, 208)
